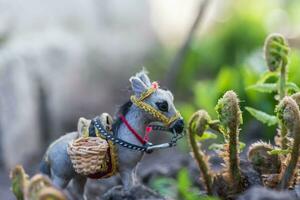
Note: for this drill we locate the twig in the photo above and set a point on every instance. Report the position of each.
(176, 64)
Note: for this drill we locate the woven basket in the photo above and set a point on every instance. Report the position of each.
(87, 154)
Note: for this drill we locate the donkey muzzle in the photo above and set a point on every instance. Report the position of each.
(178, 126)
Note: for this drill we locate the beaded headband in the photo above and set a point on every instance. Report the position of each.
(139, 102)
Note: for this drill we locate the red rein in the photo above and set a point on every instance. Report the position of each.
(142, 140)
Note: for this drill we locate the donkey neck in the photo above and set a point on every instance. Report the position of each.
(137, 120)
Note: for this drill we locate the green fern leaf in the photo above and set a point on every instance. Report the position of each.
(265, 118)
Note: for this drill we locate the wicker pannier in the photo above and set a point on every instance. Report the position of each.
(87, 154)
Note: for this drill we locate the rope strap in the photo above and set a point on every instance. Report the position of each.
(155, 113)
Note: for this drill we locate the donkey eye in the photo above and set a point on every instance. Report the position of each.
(162, 106)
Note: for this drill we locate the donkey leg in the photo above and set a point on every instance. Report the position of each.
(128, 179)
(134, 176)
(60, 183)
(77, 187)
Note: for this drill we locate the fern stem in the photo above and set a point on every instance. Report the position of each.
(230, 116)
(202, 163)
(283, 136)
(282, 94)
(233, 155)
(199, 156)
(282, 82)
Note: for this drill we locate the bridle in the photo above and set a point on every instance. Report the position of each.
(140, 103)
(147, 146)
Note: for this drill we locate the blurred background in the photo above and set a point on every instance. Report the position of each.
(64, 59)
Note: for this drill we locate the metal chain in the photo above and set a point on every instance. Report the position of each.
(175, 138)
(97, 123)
(159, 128)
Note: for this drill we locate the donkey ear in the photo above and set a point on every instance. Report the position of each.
(170, 94)
(137, 85)
(143, 75)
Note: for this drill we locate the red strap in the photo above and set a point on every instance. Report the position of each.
(148, 131)
(132, 130)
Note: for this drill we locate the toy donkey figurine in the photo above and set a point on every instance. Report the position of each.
(149, 104)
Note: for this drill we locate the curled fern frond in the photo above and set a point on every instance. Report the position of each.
(230, 117)
(228, 110)
(289, 114)
(197, 125)
(296, 97)
(276, 51)
(20, 181)
(199, 122)
(260, 158)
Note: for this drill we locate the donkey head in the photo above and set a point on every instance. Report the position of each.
(157, 103)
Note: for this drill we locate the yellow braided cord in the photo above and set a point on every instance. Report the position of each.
(147, 93)
(158, 115)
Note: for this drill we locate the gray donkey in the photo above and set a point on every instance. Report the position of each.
(149, 104)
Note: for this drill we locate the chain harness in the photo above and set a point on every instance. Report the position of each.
(147, 147)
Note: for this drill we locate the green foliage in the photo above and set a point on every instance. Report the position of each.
(184, 186)
(220, 147)
(293, 87)
(266, 76)
(279, 151)
(165, 186)
(228, 123)
(294, 69)
(16, 188)
(225, 46)
(206, 136)
(185, 189)
(264, 87)
(208, 92)
(216, 147)
(180, 188)
(39, 187)
(20, 181)
(265, 118)
(230, 118)
(230, 58)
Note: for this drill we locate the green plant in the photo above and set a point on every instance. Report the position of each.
(228, 123)
(38, 187)
(230, 118)
(20, 181)
(277, 165)
(286, 146)
(276, 52)
(198, 124)
(180, 188)
(289, 115)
